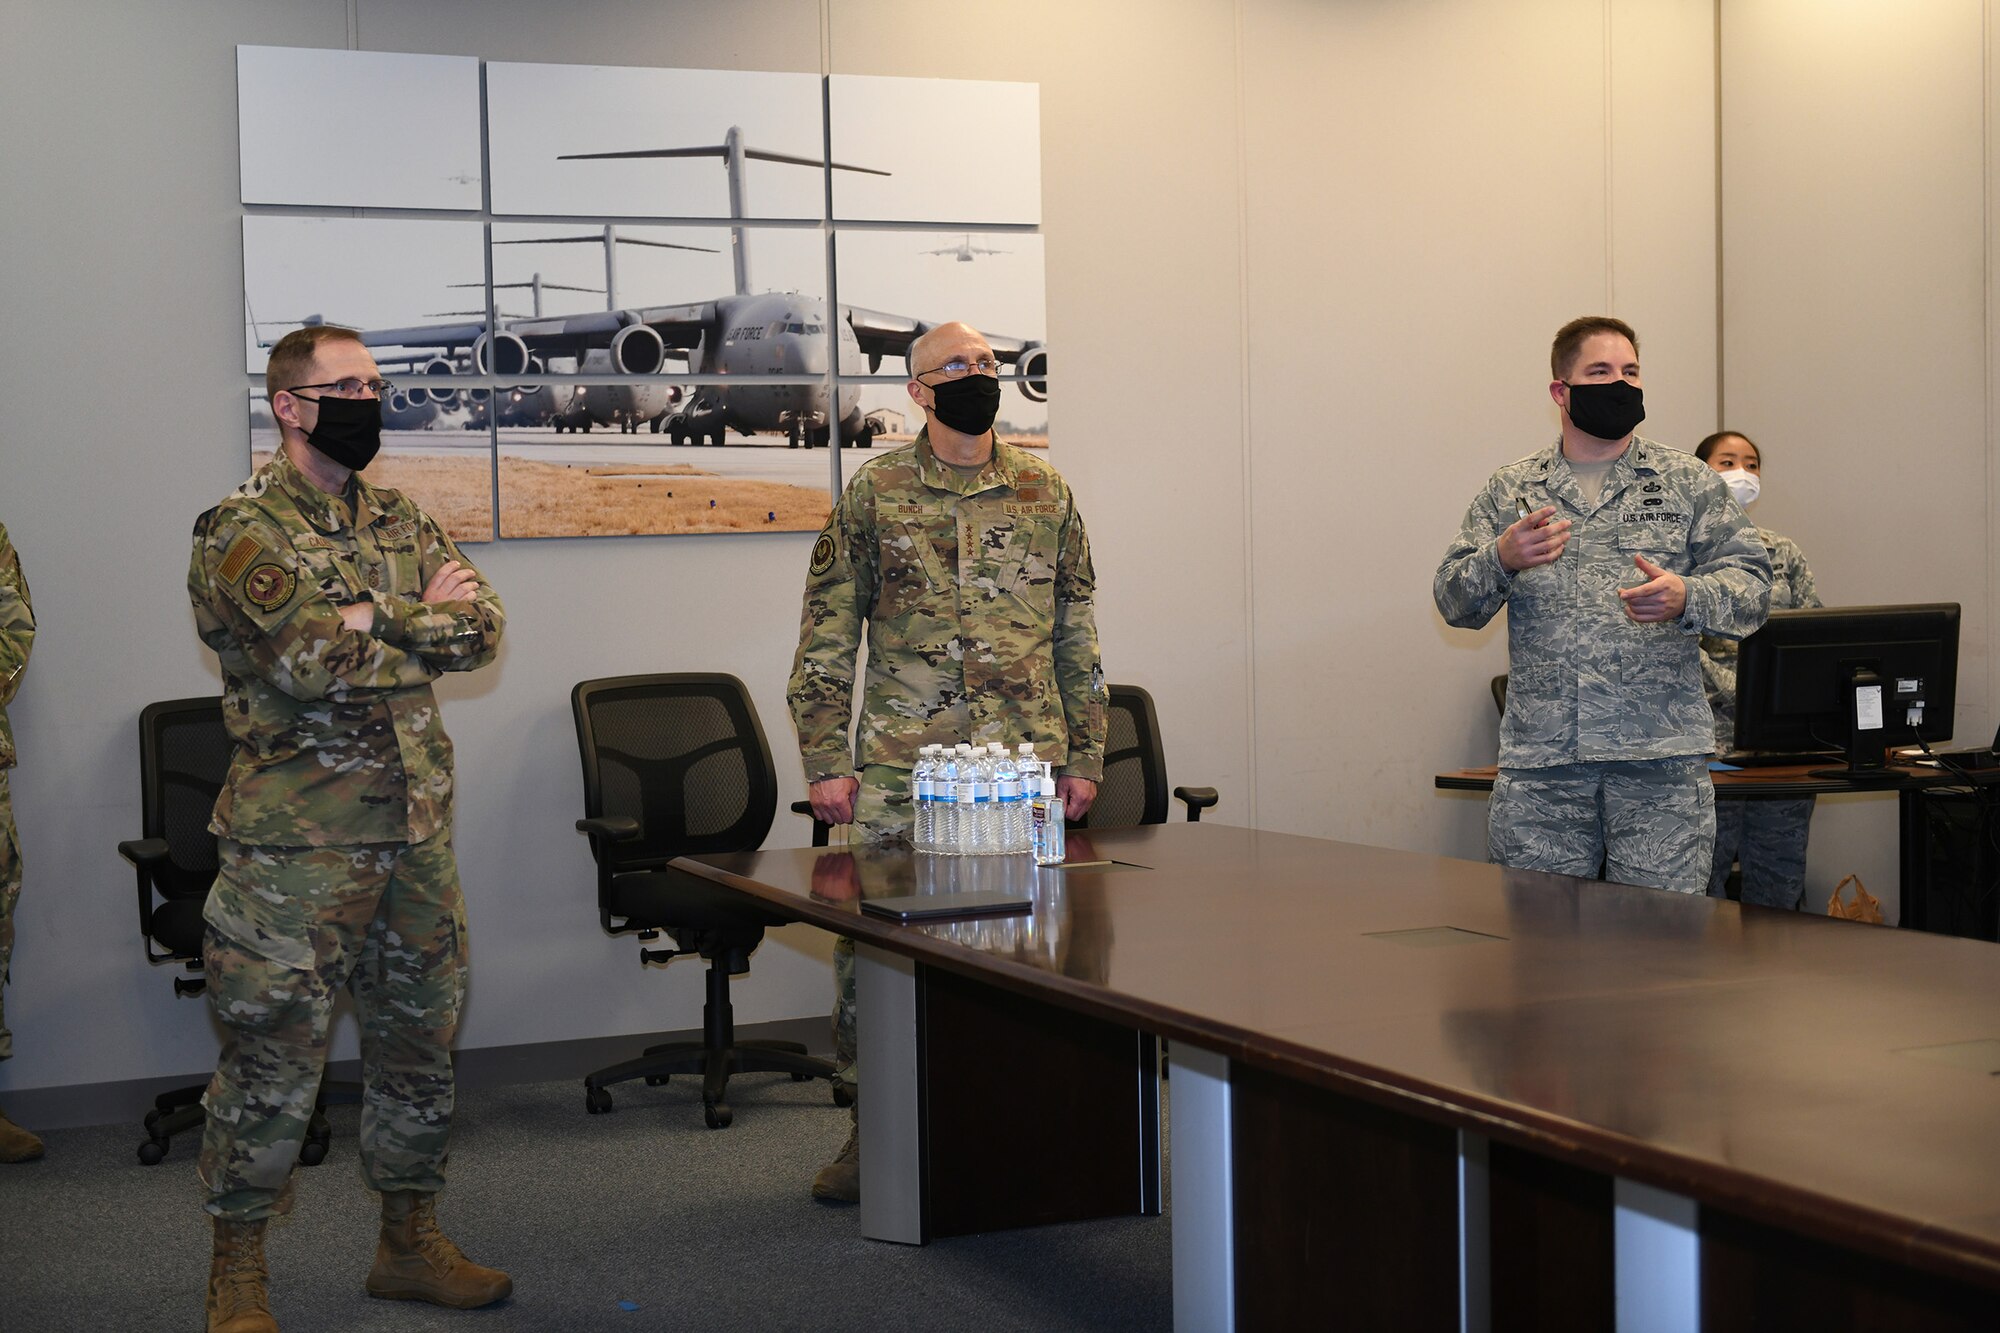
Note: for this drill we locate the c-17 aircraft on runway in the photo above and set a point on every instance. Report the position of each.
(741, 334)
(966, 251)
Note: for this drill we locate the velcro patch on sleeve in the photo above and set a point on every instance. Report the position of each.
(823, 552)
(270, 586)
(241, 552)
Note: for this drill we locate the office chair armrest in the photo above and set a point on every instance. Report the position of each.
(1198, 799)
(143, 852)
(821, 831)
(612, 828)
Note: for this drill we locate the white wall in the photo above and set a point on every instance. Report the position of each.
(1304, 258)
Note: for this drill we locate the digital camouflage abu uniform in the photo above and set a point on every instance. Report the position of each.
(335, 826)
(977, 593)
(17, 636)
(1603, 743)
(1768, 837)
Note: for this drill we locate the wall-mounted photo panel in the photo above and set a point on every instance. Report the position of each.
(616, 299)
(435, 448)
(894, 282)
(893, 420)
(603, 460)
(935, 150)
(416, 290)
(406, 134)
(612, 141)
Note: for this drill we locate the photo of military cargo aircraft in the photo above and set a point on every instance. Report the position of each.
(965, 251)
(742, 337)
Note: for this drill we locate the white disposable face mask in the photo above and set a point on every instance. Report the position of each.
(1743, 485)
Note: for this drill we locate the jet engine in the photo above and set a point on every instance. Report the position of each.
(637, 350)
(441, 394)
(1034, 369)
(500, 354)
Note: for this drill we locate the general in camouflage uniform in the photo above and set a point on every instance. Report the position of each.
(1603, 746)
(969, 575)
(1767, 837)
(17, 637)
(333, 605)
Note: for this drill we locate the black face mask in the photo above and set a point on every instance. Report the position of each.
(967, 405)
(349, 430)
(1608, 411)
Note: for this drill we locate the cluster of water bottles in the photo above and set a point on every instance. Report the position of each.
(984, 801)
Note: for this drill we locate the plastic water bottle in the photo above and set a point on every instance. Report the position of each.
(923, 799)
(1030, 773)
(965, 811)
(984, 789)
(1008, 777)
(944, 796)
(1048, 816)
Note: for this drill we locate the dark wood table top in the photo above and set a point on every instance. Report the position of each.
(1775, 782)
(1757, 1060)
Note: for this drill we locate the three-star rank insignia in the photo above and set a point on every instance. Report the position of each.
(269, 586)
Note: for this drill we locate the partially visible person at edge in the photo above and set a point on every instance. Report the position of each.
(1768, 838)
(1612, 555)
(333, 605)
(17, 637)
(967, 561)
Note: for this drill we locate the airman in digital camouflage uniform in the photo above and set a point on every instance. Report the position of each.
(333, 604)
(1613, 556)
(967, 561)
(17, 637)
(1768, 837)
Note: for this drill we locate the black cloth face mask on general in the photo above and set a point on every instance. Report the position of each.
(967, 405)
(349, 430)
(1607, 411)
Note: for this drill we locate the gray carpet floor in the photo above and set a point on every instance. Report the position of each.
(641, 1219)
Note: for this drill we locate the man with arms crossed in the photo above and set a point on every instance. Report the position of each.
(17, 637)
(333, 604)
(1613, 555)
(967, 560)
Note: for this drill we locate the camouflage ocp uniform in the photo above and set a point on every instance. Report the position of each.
(1606, 717)
(17, 638)
(1767, 837)
(335, 825)
(977, 598)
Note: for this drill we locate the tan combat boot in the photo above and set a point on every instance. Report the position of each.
(17, 1144)
(238, 1301)
(840, 1180)
(417, 1262)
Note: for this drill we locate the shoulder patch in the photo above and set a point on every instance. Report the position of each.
(270, 586)
(824, 550)
(241, 552)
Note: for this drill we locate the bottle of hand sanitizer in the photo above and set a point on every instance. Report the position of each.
(1047, 813)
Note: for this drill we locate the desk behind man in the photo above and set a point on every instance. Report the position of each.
(1613, 556)
(967, 561)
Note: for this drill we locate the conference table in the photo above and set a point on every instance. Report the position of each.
(1415, 1092)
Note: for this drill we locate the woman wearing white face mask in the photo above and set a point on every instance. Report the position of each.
(1767, 837)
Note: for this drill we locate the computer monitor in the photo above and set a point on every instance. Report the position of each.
(1856, 679)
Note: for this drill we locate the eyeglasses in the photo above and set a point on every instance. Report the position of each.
(351, 387)
(958, 367)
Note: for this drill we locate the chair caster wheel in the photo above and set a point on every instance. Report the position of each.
(152, 1152)
(717, 1114)
(312, 1152)
(597, 1101)
(843, 1095)
(657, 1080)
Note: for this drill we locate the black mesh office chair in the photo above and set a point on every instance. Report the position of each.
(1134, 790)
(1500, 694)
(676, 765)
(183, 758)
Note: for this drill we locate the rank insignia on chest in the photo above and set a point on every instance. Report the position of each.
(269, 586)
(1031, 478)
(375, 577)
